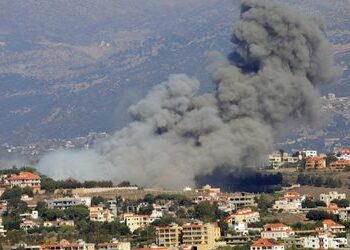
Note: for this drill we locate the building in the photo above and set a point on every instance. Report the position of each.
(59, 223)
(201, 236)
(99, 213)
(24, 179)
(67, 202)
(277, 159)
(309, 153)
(291, 202)
(2, 229)
(246, 216)
(242, 199)
(315, 163)
(333, 195)
(266, 244)
(168, 236)
(25, 246)
(66, 245)
(339, 164)
(135, 221)
(277, 231)
(332, 227)
(323, 241)
(114, 245)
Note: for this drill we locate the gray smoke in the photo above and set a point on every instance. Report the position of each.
(271, 78)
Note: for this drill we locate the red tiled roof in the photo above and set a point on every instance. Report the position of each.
(264, 243)
(331, 223)
(24, 176)
(274, 225)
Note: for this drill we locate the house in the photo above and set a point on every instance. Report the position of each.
(99, 213)
(339, 164)
(136, 221)
(276, 231)
(333, 195)
(168, 236)
(28, 224)
(58, 223)
(66, 245)
(332, 208)
(291, 202)
(246, 215)
(315, 163)
(332, 227)
(266, 244)
(114, 245)
(202, 236)
(24, 179)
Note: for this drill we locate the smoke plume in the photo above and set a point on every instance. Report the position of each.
(279, 59)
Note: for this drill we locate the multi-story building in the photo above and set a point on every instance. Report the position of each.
(242, 199)
(67, 202)
(339, 164)
(24, 179)
(245, 215)
(66, 245)
(333, 195)
(99, 213)
(277, 159)
(291, 202)
(201, 236)
(323, 241)
(315, 163)
(114, 245)
(168, 236)
(136, 221)
(277, 231)
(266, 244)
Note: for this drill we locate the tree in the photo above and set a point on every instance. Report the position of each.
(342, 203)
(147, 210)
(330, 158)
(205, 211)
(96, 200)
(149, 198)
(320, 215)
(264, 202)
(76, 213)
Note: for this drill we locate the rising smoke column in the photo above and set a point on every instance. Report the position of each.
(271, 78)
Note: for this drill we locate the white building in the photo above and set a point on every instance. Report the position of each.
(333, 195)
(309, 153)
(246, 215)
(266, 244)
(323, 241)
(291, 202)
(277, 231)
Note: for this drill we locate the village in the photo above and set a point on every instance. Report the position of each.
(38, 212)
